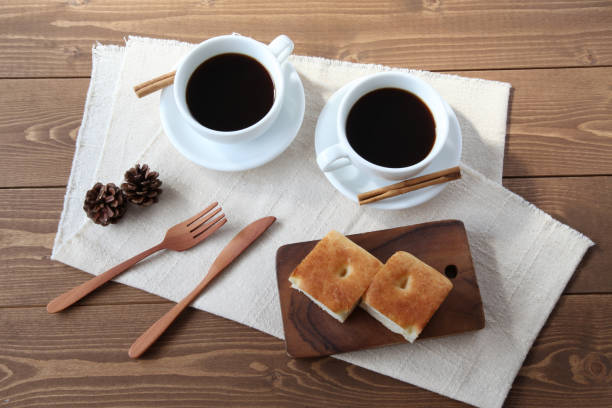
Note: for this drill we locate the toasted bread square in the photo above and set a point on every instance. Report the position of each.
(405, 294)
(335, 274)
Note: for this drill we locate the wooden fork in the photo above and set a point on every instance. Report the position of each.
(182, 236)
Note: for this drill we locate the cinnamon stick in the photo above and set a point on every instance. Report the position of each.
(154, 84)
(406, 186)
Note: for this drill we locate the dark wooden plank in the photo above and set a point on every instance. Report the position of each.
(560, 121)
(559, 124)
(79, 358)
(54, 38)
(570, 363)
(28, 222)
(39, 121)
(584, 203)
(312, 332)
(29, 217)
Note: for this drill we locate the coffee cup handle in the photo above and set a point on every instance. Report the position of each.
(333, 158)
(281, 47)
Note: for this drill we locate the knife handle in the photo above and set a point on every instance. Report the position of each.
(146, 339)
(149, 337)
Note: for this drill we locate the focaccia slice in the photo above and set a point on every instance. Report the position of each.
(405, 294)
(335, 274)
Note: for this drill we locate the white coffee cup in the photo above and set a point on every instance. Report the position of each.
(342, 154)
(271, 56)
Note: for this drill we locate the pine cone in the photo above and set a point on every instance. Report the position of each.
(105, 204)
(142, 185)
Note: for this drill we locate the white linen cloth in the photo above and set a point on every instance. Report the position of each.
(523, 258)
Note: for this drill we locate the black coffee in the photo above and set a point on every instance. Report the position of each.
(230, 92)
(391, 127)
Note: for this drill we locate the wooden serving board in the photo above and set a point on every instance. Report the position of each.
(311, 332)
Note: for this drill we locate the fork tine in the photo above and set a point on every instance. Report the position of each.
(202, 221)
(203, 235)
(204, 226)
(193, 219)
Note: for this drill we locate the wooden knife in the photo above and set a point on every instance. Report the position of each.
(231, 251)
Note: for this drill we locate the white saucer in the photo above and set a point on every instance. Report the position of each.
(237, 156)
(350, 181)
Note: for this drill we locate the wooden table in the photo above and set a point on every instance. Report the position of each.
(558, 57)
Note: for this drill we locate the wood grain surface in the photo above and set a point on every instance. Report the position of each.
(559, 124)
(54, 38)
(560, 121)
(585, 203)
(312, 332)
(78, 359)
(28, 277)
(39, 122)
(29, 218)
(557, 54)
